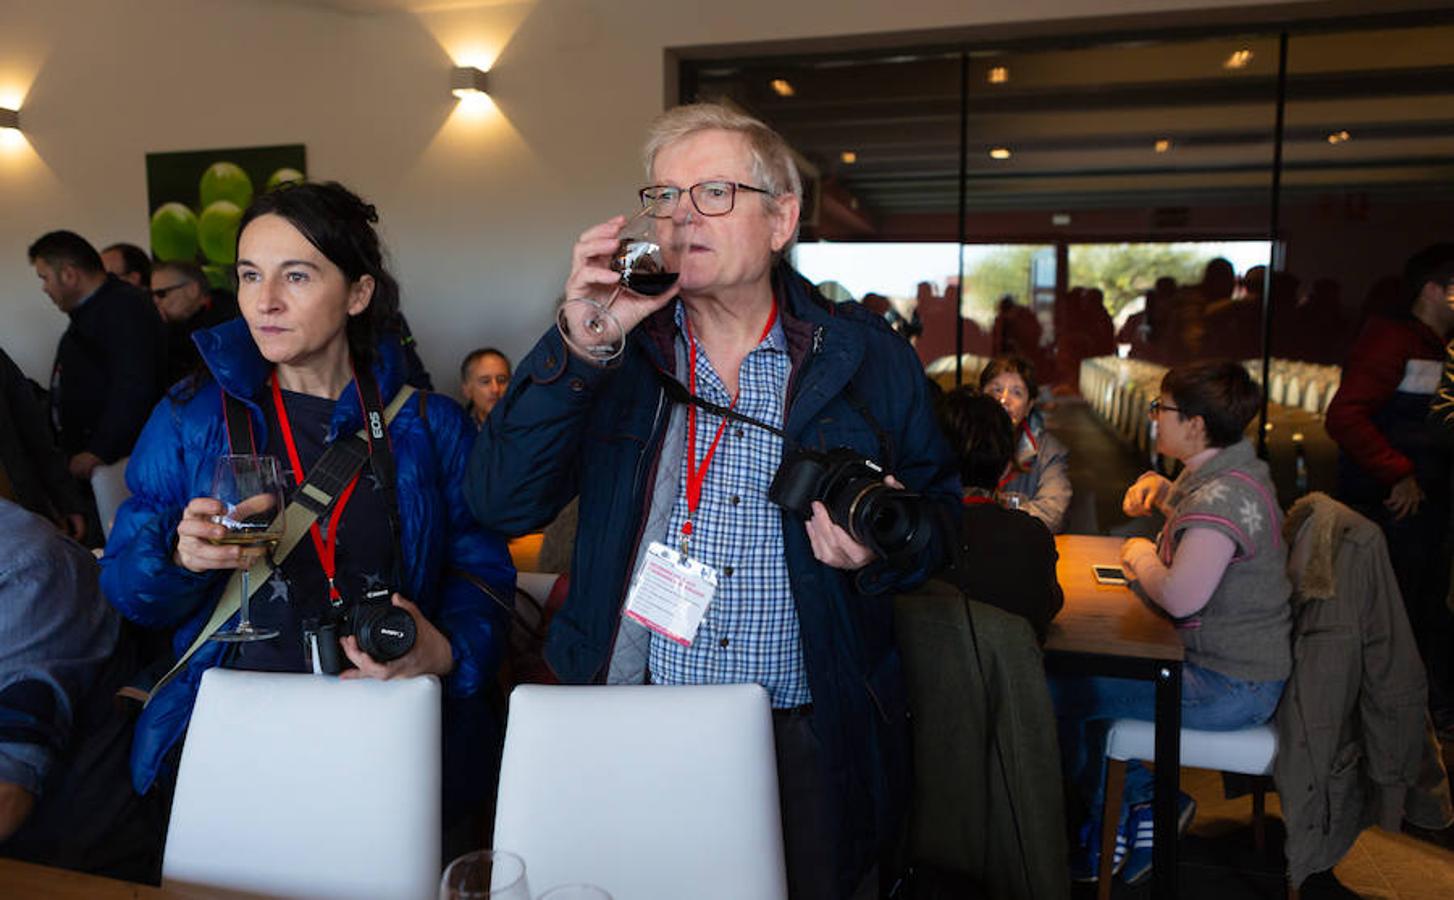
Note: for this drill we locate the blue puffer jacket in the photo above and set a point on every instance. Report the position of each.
(566, 426)
(172, 463)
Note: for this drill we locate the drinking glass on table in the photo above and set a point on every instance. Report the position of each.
(575, 892)
(492, 874)
(250, 489)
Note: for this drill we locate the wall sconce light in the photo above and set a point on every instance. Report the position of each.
(466, 81)
(9, 118)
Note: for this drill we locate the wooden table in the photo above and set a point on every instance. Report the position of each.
(32, 882)
(1108, 630)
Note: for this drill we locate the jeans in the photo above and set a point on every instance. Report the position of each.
(1086, 706)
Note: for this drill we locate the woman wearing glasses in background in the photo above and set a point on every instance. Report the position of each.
(1037, 480)
(1218, 569)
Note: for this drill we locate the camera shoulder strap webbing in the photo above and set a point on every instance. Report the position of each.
(313, 498)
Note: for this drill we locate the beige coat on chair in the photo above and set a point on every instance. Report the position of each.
(1355, 747)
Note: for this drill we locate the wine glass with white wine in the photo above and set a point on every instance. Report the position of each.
(250, 489)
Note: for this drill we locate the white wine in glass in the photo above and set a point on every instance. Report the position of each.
(250, 489)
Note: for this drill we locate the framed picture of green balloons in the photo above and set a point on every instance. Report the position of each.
(195, 200)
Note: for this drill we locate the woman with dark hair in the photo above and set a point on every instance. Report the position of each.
(1037, 479)
(1005, 557)
(313, 349)
(1218, 570)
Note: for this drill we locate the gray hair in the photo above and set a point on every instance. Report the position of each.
(771, 157)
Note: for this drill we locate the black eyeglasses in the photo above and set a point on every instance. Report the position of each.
(1157, 406)
(711, 198)
(161, 293)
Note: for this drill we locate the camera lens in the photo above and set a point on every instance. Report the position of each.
(384, 632)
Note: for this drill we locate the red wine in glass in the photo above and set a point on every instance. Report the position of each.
(642, 267)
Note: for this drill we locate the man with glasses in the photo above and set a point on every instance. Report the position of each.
(673, 494)
(187, 302)
(1392, 467)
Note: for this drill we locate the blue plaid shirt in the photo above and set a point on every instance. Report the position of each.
(750, 633)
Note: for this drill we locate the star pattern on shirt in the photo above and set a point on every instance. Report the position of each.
(1251, 514)
(279, 592)
(374, 581)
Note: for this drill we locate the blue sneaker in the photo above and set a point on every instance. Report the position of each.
(1141, 828)
(1085, 859)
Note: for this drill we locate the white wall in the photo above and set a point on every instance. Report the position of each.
(479, 205)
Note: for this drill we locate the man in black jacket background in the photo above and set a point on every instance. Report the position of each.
(32, 470)
(106, 376)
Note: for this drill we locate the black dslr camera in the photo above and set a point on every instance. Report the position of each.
(383, 631)
(893, 523)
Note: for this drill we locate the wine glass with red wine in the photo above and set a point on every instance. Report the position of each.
(648, 268)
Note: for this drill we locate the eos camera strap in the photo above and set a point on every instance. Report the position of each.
(327, 479)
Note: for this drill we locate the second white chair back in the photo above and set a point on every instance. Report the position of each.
(652, 793)
(108, 484)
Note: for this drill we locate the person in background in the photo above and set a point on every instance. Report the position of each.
(32, 469)
(107, 374)
(1006, 557)
(1037, 479)
(1218, 570)
(128, 262)
(483, 378)
(1393, 467)
(312, 347)
(187, 303)
(800, 606)
(64, 797)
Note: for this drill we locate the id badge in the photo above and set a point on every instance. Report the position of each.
(670, 595)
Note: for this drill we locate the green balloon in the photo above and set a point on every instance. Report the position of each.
(174, 233)
(218, 276)
(284, 176)
(225, 181)
(217, 231)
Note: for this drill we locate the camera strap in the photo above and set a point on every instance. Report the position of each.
(331, 475)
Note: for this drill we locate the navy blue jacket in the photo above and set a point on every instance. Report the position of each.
(567, 427)
(173, 463)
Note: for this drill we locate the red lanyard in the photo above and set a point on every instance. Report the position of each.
(977, 500)
(327, 551)
(697, 474)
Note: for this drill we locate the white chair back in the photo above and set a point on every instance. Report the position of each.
(307, 786)
(652, 793)
(108, 483)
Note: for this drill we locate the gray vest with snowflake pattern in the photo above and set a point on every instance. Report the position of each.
(1243, 631)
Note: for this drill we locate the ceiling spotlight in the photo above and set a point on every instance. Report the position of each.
(1238, 60)
(782, 87)
(9, 118)
(467, 81)
(999, 75)
(848, 157)
(1163, 145)
(1339, 137)
(1000, 153)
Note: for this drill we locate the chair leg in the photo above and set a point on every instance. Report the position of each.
(1110, 823)
(1259, 818)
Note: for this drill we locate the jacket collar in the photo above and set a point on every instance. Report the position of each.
(825, 353)
(232, 357)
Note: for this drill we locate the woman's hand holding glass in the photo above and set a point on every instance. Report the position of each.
(1146, 496)
(198, 536)
(431, 655)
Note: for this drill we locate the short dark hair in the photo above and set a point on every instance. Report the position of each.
(979, 432)
(189, 271)
(134, 259)
(1433, 263)
(1222, 393)
(469, 360)
(341, 225)
(1017, 365)
(66, 248)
